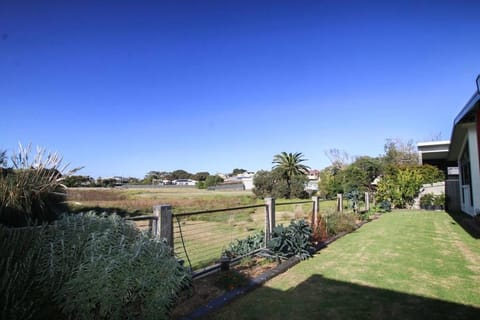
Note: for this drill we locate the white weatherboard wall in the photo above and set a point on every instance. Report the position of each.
(475, 172)
(474, 163)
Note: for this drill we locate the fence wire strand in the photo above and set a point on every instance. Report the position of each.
(183, 243)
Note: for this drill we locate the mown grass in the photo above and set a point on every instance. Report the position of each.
(406, 265)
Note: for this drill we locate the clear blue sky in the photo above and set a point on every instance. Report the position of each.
(125, 87)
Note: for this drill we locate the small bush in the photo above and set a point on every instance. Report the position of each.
(384, 206)
(439, 201)
(426, 201)
(340, 222)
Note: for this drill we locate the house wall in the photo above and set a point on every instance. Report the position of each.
(475, 167)
(478, 129)
(471, 137)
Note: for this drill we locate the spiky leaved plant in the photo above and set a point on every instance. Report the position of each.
(31, 190)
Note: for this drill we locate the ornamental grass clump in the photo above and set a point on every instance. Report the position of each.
(20, 252)
(31, 189)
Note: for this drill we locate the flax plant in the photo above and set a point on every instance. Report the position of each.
(31, 190)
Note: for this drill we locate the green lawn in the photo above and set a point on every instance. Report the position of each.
(406, 265)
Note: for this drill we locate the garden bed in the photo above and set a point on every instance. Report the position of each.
(206, 289)
(212, 291)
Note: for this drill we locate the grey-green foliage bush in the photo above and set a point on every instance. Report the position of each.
(241, 247)
(91, 267)
(293, 240)
(120, 273)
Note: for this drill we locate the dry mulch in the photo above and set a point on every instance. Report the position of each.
(212, 286)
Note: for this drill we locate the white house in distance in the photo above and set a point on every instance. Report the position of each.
(184, 182)
(465, 151)
(245, 178)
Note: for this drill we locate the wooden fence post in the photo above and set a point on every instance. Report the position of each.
(367, 201)
(153, 225)
(316, 209)
(269, 218)
(339, 202)
(164, 225)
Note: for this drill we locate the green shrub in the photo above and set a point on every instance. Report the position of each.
(338, 222)
(426, 201)
(439, 201)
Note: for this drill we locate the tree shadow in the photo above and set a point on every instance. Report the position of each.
(323, 298)
(101, 210)
(467, 222)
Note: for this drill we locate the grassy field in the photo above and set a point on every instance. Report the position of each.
(141, 201)
(204, 236)
(406, 265)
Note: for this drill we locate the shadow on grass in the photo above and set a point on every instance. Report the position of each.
(322, 298)
(467, 223)
(119, 211)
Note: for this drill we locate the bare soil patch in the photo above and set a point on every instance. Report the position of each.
(213, 286)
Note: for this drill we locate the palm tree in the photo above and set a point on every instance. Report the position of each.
(291, 165)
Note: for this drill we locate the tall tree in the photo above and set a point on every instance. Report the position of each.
(290, 164)
(399, 153)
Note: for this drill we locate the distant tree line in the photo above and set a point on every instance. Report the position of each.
(204, 179)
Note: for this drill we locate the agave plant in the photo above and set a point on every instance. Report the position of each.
(31, 190)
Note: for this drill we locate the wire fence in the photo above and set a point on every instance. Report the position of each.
(199, 238)
(288, 211)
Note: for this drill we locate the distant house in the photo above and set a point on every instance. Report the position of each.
(245, 178)
(465, 151)
(184, 182)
